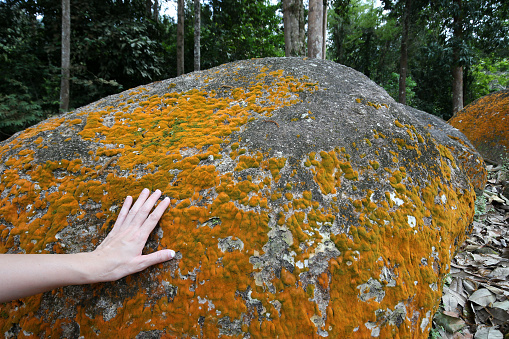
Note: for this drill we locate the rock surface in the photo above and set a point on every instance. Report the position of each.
(305, 203)
(485, 122)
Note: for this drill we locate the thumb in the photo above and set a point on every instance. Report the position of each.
(158, 257)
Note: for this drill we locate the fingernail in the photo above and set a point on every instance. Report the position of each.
(146, 190)
(172, 254)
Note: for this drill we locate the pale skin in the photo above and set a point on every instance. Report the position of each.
(119, 255)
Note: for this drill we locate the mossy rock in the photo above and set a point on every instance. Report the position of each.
(485, 122)
(305, 202)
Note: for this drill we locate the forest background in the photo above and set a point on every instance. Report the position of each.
(119, 44)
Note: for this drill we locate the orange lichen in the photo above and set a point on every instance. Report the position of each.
(485, 122)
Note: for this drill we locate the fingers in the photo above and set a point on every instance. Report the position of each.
(138, 215)
(153, 218)
(123, 213)
(143, 211)
(137, 205)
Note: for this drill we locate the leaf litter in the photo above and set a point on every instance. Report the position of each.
(475, 300)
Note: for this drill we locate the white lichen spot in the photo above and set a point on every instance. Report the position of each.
(425, 321)
(356, 255)
(443, 198)
(412, 221)
(375, 330)
(395, 199)
(319, 323)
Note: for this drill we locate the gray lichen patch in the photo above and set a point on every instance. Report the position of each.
(229, 244)
(372, 289)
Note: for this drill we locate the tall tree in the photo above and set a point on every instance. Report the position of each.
(294, 27)
(197, 16)
(315, 29)
(66, 55)
(180, 37)
(155, 14)
(324, 29)
(457, 67)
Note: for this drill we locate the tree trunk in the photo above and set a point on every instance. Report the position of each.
(294, 23)
(403, 61)
(457, 89)
(66, 55)
(324, 30)
(197, 13)
(457, 68)
(315, 31)
(148, 8)
(155, 14)
(180, 37)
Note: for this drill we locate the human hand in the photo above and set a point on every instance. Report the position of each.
(120, 253)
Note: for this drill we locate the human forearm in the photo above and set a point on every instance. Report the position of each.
(27, 274)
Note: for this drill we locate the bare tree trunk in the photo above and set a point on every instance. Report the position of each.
(457, 89)
(180, 37)
(148, 8)
(66, 55)
(197, 14)
(403, 61)
(315, 31)
(324, 30)
(457, 69)
(294, 23)
(155, 14)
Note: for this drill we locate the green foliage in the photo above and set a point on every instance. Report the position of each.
(27, 84)
(505, 164)
(489, 75)
(480, 207)
(363, 37)
(368, 39)
(392, 87)
(431, 70)
(236, 30)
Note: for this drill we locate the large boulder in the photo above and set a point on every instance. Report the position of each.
(305, 202)
(485, 122)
